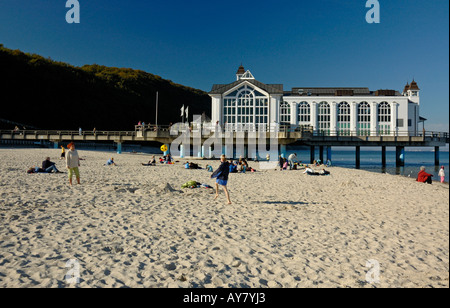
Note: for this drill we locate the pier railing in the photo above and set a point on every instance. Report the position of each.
(166, 131)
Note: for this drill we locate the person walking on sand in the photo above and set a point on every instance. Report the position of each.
(222, 177)
(72, 163)
(63, 153)
(442, 174)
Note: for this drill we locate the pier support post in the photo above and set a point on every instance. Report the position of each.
(182, 154)
(436, 156)
(119, 147)
(312, 154)
(55, 145)
(321, 153)
(283, 151)
(228, 151)
(400, 156)
(203, 151)
(358, 157)
(329, 153)
(383, 156)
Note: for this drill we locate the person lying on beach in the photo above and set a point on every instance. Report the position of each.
(40, 170)
(324, 172)
(221, 174)
(194, 166)
(424, 177)
(111, 162)
(310, 171)
(151, 162)
(49, 166)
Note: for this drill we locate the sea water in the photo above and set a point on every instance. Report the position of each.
(371, 160)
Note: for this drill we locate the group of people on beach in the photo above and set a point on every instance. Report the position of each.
(424, 177)
(72, 164)
(221, 175)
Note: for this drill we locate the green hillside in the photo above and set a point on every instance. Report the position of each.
(47, 94)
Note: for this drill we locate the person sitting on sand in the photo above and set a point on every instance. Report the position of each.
(221, 174)
(111, 162)
(281, 162)
(151, 162)
(168, 159)
(233, 167)
(424, 177)
(49, 166)
(209, 168)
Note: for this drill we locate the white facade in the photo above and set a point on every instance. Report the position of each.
(249, 105)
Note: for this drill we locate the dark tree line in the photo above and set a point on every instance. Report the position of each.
(47, 94)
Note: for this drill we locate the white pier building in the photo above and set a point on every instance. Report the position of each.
(249, 105)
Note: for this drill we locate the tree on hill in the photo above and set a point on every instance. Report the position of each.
(56, 95)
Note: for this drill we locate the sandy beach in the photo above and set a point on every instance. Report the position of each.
(133, 226)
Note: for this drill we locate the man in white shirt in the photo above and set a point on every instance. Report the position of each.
(292, 159)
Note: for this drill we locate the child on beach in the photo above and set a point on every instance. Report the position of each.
(63, 152)
(73, 162)
(442, 174)
(222, 177)
(111, 162)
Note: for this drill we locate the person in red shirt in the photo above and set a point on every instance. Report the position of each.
(424, 177)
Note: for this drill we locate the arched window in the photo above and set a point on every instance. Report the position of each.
(304, 114)
(285, 113)
(364, 119)
(324, 118)
(344, 119)
(384, 118)
(245, 110)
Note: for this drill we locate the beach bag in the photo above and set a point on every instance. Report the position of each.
(190, 184)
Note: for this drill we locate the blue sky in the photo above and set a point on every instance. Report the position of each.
(296, 43)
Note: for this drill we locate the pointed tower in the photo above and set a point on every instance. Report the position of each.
(406, 89)
(413, 92)
(240, 72)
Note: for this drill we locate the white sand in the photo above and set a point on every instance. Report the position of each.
(126, 227)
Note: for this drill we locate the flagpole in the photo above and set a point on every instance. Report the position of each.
(182, 114)
(156, 109)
